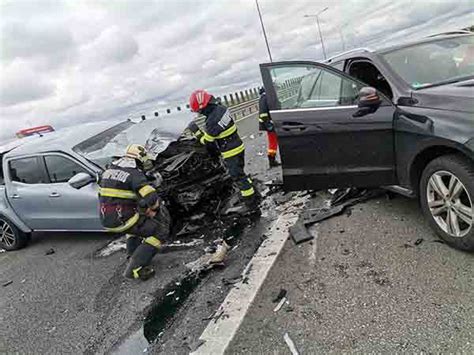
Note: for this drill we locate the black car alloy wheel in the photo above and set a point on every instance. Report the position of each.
(447, 199)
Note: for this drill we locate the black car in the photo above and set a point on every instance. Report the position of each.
(414, 132)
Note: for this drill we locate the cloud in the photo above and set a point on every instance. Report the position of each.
(66, 62)
(21, 84)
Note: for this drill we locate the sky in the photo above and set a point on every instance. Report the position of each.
(68, 62)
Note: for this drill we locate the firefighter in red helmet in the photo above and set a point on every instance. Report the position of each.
(220, 130)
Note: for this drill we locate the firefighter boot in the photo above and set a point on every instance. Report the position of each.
(138, 265)
(272, 161)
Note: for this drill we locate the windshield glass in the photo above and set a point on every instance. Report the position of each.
(105, 147)
(437, 62)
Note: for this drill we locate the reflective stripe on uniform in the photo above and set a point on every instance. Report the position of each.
(207, 137)
(228, 132)
(272, 151)
(129, 224)
(108, 192)
(260, 120)
(146, 190)
(136, 271)
(233, 152)
(154, 241)
(263, 115)
(248, 192)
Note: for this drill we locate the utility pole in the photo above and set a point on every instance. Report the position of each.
(264, 33)
(319, 29)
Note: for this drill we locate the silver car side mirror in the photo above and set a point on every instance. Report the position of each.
(80, 180)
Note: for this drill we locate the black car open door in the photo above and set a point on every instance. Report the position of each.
(325, 140)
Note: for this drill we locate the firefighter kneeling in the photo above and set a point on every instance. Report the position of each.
(130, 204)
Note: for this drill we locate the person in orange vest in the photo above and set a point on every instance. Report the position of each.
(266, 124)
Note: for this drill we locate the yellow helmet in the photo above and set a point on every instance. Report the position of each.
(138, 152)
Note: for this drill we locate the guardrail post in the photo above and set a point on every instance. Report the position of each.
(226, 102)
(168, 110)
(178, 108)
(143, 118)
(187, 106)
(231, 100)
(156, 113)
(247, 96)
(242, 96)
(237, 99)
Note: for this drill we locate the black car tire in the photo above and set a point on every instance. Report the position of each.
(462, 169)
(11, 238)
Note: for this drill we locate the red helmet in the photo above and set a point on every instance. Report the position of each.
(199, 99)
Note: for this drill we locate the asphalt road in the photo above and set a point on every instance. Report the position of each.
(372, 282)
(361, 286)
(73, 301)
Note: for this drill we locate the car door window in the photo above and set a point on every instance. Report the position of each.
(27, 171)
(61, 169)
(305, 86)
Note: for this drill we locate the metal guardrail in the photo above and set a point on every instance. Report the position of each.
(238, 112)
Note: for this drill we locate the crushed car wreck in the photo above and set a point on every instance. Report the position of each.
(58, 174)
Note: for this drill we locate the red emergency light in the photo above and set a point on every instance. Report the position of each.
(34, 130)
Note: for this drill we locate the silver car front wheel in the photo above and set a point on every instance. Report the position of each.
(450, 204)
(11, 238)
(7, 236)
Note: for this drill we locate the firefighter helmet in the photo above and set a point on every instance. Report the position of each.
(138, 152)
(199, 99)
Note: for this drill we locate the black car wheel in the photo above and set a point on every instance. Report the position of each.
(11, 238)
(447, 199)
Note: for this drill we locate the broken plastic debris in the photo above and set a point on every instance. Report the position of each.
(252, 136)
(299, 233)
(280, 304)
(5, 284)
(220, 253)
(170, 293)
(291, 344)
(260, 154)
(50, 251)
(280, 295)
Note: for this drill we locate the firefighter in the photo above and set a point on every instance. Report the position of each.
(220, 133)
(265, 123)
(130, 204)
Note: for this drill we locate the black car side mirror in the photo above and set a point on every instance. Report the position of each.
(369, 101)
(80, 180)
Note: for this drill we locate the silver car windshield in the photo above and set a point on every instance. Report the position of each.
(105, 147)
(434, 63)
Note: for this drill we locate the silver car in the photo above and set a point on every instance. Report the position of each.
(48, 183)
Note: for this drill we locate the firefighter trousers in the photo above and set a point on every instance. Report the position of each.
(144, 240)
(235, 166)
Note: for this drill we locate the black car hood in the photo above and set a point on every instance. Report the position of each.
(456, 97)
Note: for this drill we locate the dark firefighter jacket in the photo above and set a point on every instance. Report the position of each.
(221, 129)
(265, 122)
(123, 192)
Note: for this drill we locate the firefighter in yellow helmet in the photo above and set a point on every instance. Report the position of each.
(130, 204)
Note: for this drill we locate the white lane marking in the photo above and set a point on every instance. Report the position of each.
(291, 344)
(218, 335)
(312, 254)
